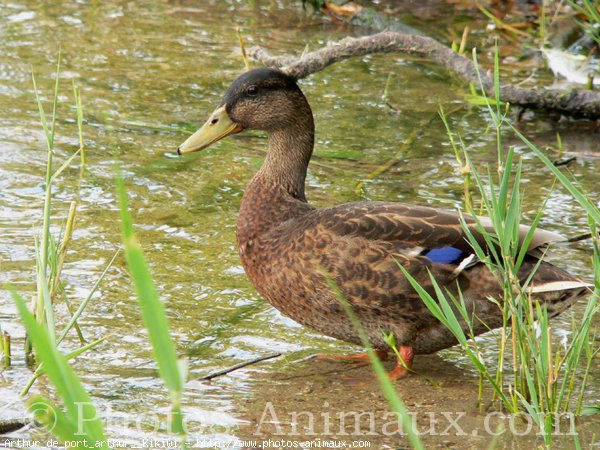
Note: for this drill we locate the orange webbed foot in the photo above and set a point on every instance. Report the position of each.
(358, 357)
(403, 364)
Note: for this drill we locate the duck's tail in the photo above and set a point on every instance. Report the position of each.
(555, 287)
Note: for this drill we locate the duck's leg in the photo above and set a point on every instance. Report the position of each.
(403, 364)
(358, 357)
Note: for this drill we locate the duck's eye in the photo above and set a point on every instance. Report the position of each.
(251, 90)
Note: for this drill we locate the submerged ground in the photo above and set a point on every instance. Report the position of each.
(149, 73)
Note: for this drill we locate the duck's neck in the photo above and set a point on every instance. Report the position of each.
(276, 193)
(287, 158)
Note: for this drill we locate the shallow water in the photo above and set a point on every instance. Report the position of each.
(149, 72)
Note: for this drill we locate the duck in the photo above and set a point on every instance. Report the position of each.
(291, 250)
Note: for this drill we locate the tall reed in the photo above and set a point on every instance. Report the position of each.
(79, 423)
(51, 250)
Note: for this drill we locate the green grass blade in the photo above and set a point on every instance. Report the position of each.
(53, 419)
(529, 236)
(443, 312)
(497, 85)
(45, 307)
(513, 217)
(80, 408)
(152, 309)
(84, 303)
(504, 186)
(79, 108)
(386, 385)
(64, 166)
(55, 101)
(42, 114)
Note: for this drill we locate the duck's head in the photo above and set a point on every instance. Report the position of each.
(260, 99)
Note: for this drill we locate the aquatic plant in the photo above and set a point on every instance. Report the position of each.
(51, 250)
(79, 423)
(544, 367)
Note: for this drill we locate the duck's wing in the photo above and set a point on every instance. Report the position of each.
(419, 229)
(361, 244)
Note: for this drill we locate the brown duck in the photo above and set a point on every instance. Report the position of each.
(286, 245)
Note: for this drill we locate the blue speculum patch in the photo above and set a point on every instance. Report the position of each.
(444, 255)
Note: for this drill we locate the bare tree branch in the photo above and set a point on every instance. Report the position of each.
(575, 103)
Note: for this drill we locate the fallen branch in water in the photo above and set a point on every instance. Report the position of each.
(238, 366)
(575, 103)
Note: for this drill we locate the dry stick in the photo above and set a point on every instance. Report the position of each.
(402, 152)
(243, 49)
(239, 366)
(580, 237)
(62, 253)
(575, 103)
(396, 159)
(6, 349)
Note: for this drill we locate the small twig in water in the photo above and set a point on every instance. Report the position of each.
(239, 366)
(565, 161)
(580, 237)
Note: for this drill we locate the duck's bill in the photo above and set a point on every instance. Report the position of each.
(218, 126)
